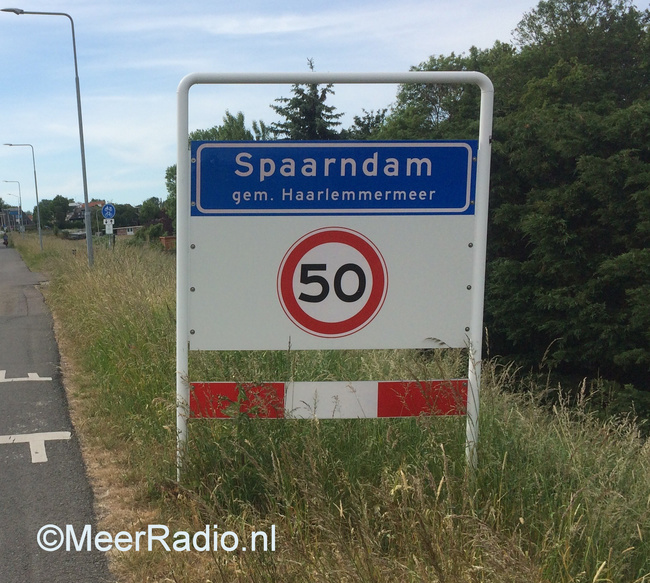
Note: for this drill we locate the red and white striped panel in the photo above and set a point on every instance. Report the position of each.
(329, 400)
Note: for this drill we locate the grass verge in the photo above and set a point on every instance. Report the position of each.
(559, 496)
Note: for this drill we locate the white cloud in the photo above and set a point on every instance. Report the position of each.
(132, 56)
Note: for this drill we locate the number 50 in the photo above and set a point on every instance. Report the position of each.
(307, 277)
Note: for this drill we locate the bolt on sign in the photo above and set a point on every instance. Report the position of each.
(331, 245)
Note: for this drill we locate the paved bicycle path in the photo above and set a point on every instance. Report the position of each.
(42, 474)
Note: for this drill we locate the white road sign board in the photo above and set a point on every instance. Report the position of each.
(331, 245)
(258, 283)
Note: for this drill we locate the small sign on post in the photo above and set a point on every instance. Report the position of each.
(108, 212)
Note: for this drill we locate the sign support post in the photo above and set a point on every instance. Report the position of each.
(108, 212)
(183, 205)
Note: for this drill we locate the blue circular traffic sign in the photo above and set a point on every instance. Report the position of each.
(108, 211)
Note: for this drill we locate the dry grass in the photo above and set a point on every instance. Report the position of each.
(559, 496)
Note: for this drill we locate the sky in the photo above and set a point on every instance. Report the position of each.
(132, 56)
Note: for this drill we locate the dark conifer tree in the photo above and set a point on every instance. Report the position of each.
(306, 115)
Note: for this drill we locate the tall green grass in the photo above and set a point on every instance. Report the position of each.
(559, 496)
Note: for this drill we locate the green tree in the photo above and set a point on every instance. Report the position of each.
(47, 215)
(150, 210)
(421, 110)
(234, 129)
(126, 215)
(568, 263)
(54, 211)
(306, 115)
(170, 185)
(60, 209)
(367, 126)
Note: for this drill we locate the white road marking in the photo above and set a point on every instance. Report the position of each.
(36, 442)
(31, 376)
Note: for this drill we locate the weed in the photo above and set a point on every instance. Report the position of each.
(559, 495)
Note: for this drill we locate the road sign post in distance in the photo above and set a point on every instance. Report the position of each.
(108, 211)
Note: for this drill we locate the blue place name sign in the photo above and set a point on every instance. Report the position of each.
(333, 178)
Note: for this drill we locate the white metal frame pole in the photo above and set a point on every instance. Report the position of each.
(183, 185)
(478, 283)
(475, 334)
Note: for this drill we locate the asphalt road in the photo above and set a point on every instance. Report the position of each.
(42, 475)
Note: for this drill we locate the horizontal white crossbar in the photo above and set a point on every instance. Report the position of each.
(36, 442)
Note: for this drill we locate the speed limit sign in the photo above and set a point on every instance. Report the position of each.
(332, 282)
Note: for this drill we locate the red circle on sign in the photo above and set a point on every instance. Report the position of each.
(366, 312)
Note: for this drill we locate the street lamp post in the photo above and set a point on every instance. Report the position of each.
(38, 206)
(20, 203)
(87, 219)
(9, 214)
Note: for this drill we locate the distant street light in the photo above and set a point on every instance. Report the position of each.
(9, 216)
(87, 220)
(20, 202)
(38, 206)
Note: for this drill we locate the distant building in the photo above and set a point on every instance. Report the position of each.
(127, 230)
(78, 210)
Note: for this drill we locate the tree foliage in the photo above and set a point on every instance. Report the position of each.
(126, 215)
(150, 211)
(306, 115)
(54, 211)
(369, 126)
(568, 276)
(569, 258)
(232, 129)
